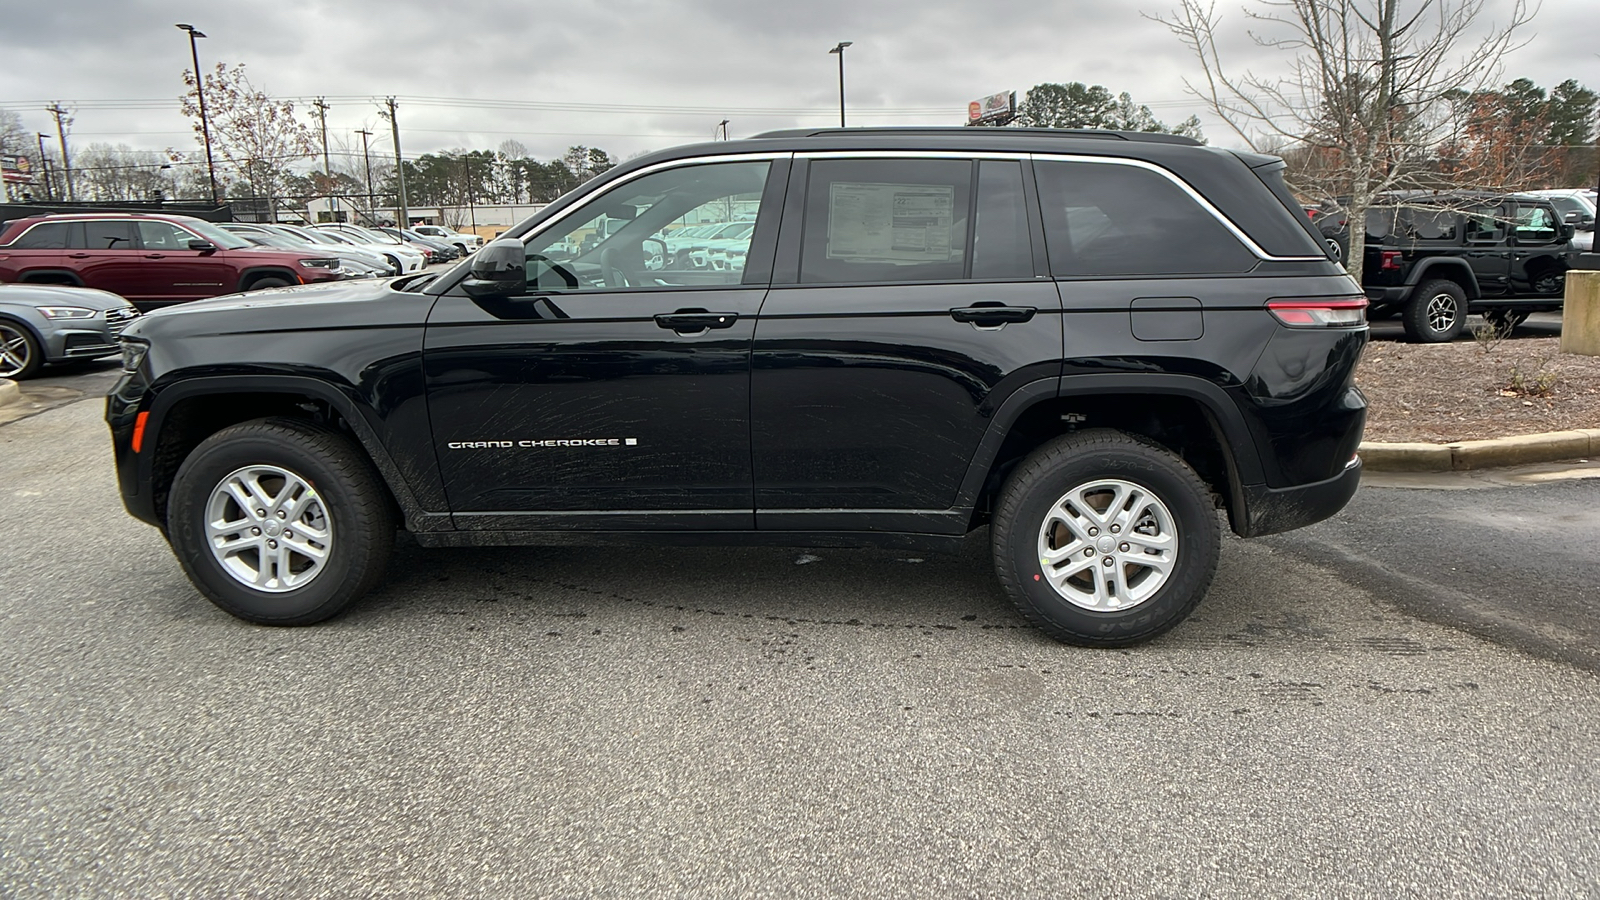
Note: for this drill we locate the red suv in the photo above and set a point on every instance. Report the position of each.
(153, 260)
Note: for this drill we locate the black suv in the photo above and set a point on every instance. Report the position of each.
(1433, 258)
(927, 331)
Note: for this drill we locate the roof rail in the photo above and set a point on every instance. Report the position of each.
(1141, 136)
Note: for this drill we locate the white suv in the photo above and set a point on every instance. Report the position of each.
(466, 243)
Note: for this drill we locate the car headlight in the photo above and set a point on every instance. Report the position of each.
(67, 312)
(133, 354)
(320, 263)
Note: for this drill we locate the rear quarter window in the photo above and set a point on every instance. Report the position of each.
(1112, 220)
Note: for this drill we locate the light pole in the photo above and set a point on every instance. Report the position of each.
(44, 165)
(840, 50)
(371, 211)
(200, 91)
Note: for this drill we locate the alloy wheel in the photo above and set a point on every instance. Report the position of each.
(1108, 545)
(1442, 312)
(15, 351)
(268, 528)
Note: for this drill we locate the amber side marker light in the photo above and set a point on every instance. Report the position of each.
(1333, 312)
(138, 431)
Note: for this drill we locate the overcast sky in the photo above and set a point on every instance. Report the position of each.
(627, 75)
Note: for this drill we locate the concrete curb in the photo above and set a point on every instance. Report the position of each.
(9, 392)
(1551, 446)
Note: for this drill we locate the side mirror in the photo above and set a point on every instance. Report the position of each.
(1567, 231)
(498, 270)
(202, 246)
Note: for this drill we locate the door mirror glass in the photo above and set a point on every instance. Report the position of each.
(498, 270)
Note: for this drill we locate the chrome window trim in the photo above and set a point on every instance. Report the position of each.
(647, 170)
(1182, 185)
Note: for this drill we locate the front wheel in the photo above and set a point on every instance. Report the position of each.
(1437, 312)
(1103, 539)
(280, 522)
(20, 353)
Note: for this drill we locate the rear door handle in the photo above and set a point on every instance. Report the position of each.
(77, 256)
(155, 256)
(694, 321)
(986, 316)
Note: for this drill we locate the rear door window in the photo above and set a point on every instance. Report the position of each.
(1112, 220)
(108, 235)
(886, 220)
(1434, 224)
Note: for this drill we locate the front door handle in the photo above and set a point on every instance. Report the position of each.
(695, 321)
(989, 316)
(77, 256)
(155, 256)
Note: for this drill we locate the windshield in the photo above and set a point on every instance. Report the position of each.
(214, 234)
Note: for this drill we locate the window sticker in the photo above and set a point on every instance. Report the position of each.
(890, 223)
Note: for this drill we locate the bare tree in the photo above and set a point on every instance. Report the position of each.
(258, 136)
(1367, 91)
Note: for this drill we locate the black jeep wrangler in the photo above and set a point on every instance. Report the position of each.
(1088, 341)
(1433, 258)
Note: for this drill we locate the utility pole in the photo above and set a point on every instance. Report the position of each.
(399, 165)
(61, 132)
(205, 123)
(327, 167)
(840, 50)
(371, 203)
(44, 163)
(722, 129)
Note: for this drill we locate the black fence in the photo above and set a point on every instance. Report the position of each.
(211, 212)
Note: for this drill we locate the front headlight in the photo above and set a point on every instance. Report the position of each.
(320, 263)
(67, 312)
(133, 354)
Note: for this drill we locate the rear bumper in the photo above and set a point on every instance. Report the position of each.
(1273, 510)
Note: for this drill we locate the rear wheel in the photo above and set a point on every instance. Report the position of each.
(1103, 539)
(280, 522)
(20, 353)
(1437, 312)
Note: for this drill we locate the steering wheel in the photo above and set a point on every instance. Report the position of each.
(564, 273)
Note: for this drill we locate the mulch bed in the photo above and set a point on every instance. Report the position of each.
(1468, 390)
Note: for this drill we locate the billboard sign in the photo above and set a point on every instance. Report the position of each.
(995, 109)
(16, 169)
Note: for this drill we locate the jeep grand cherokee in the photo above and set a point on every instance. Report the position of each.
(1089, 342)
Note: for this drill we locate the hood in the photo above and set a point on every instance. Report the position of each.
(60, 295)
(335, 304)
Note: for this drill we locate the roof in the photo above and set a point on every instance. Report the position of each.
(969, 132)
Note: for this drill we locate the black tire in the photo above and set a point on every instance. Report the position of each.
(21, 354)
(1021, 526)
(1436, 312)
(394, 263)
(359, 519)
(261, 284)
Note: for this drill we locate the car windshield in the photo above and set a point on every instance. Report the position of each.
(215, 235)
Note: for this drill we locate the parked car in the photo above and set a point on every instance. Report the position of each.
(436, 251)
(42, 323)
(153, 260)
(462, 241)
(340, 245)
(354, 262)
(927, 347)
(411, 258)
(1435, 258)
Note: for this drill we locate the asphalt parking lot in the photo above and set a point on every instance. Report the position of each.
(711, 722)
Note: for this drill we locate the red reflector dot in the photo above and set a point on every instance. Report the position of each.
(1035, 578)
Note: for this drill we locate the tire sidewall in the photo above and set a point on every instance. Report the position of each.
(1194, 519)
(200, 474)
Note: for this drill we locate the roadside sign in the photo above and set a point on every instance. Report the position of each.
(995, 109)
(16, 169)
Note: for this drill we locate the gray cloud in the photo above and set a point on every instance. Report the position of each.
(912, 62)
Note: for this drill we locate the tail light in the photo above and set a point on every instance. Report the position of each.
(1331, 312)
(1391, 261)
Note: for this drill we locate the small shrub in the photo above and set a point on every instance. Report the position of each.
(1488, 335)
(1532, 377)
